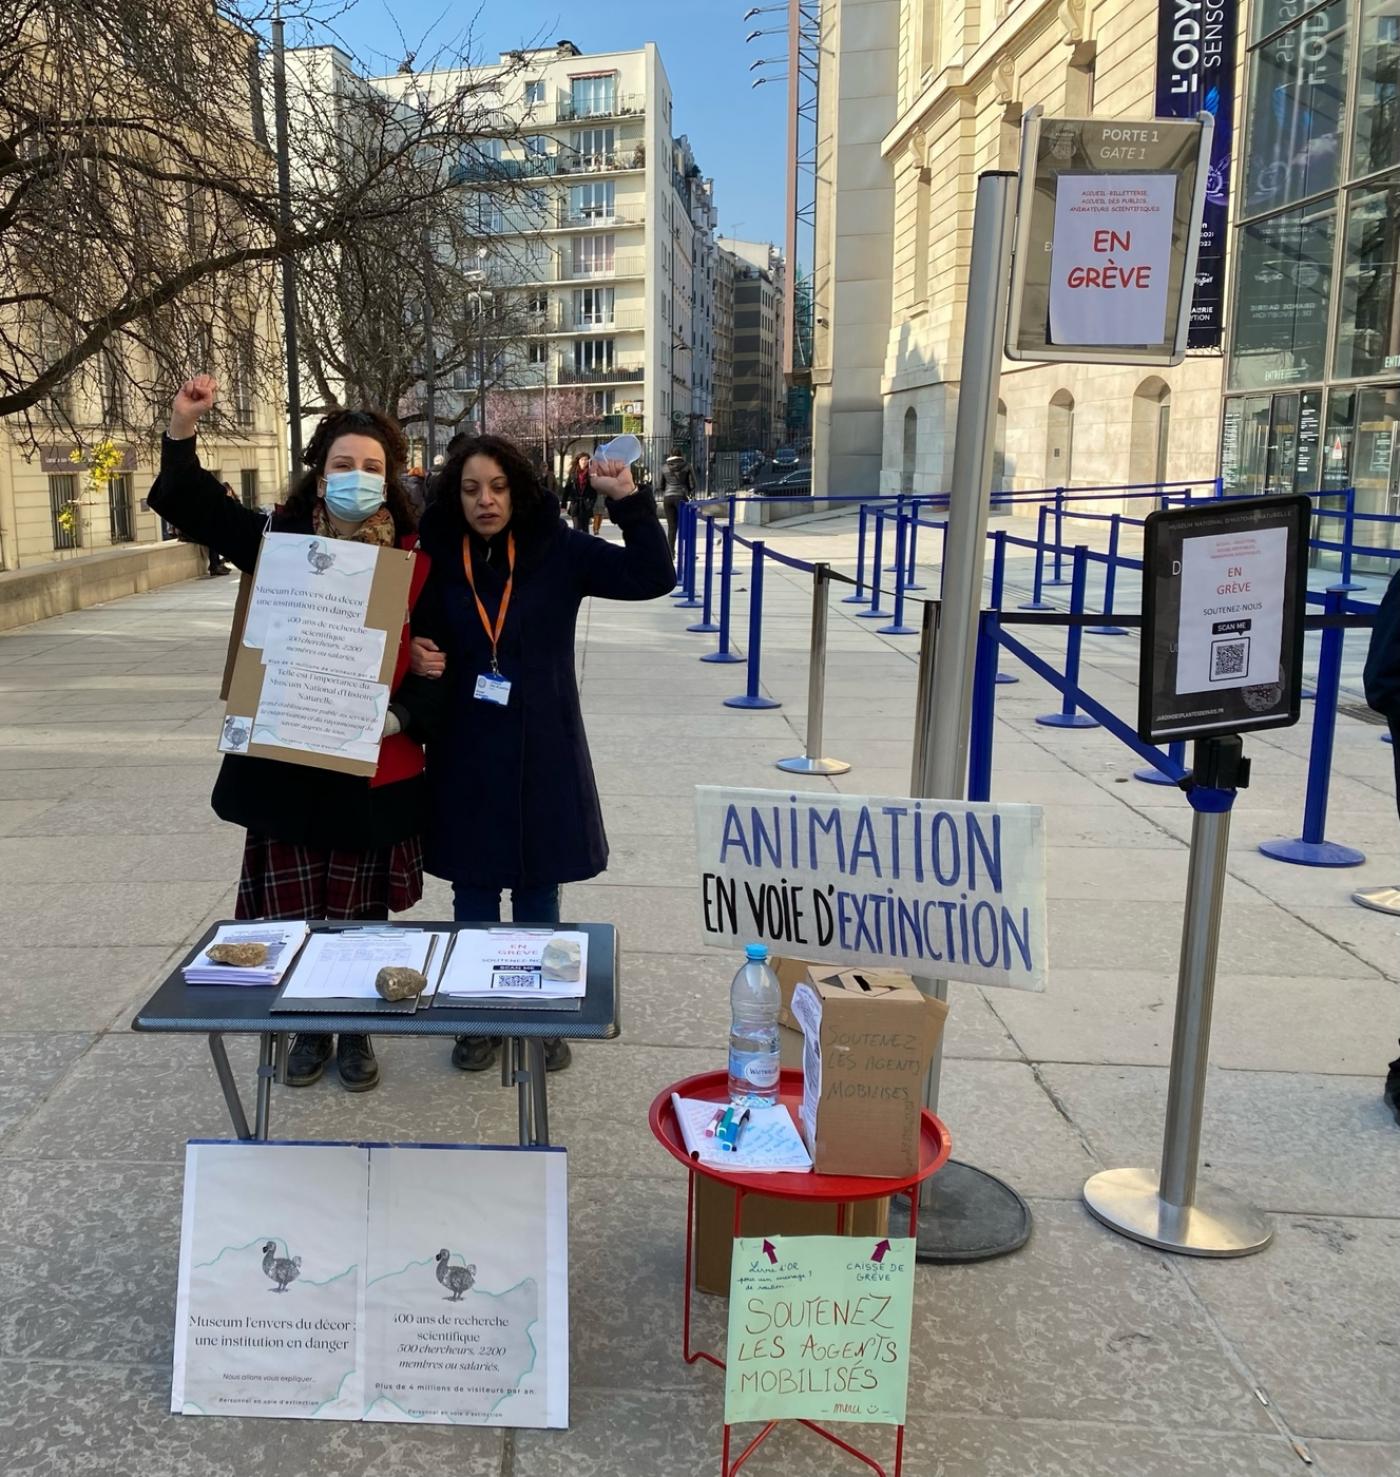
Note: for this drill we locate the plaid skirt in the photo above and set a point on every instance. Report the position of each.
(283, 881)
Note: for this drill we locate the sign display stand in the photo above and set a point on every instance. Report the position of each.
(1173, 1211)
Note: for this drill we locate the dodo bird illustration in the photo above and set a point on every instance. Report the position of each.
(457, 1279)
(282, 1269)
(318, 558)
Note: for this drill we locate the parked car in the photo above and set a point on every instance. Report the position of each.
(792, 484)
(785, 458)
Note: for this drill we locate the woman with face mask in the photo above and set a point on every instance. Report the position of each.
(515, 805)
(320, 845)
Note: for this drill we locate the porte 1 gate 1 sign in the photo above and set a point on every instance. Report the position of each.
(1224, 596)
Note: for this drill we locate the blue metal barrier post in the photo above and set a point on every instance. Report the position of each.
(1059, 510)
(999, 588)
(898, 564)
(706, 624)
(1311, 849)
(911, 554)
(1345, 585)
(722, 653)
(875, 613)
(1069, 716)
(689, 516)
(859, 597)
(751, 697)
(984, 697)
(1110, 580)
(896, 626)
(1037, 600)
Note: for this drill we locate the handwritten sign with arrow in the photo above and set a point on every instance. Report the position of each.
(819, 1329)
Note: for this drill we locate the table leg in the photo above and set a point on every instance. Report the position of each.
(262, 1112)
(224, 1072)
(521, 1078)
(539, 1090)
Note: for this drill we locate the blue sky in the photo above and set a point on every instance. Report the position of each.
(737, 131)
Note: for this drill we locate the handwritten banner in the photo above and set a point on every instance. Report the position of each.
(819, 1329)
(948, 889)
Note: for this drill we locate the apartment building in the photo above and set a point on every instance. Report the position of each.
(759, 391)
(606, 241)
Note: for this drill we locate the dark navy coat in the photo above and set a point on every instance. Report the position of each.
(513, 799)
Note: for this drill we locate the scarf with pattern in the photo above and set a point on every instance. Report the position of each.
(378, 528)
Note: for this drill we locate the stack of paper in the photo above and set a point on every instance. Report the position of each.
(282, 940)
(768, 1142)
(343, 964)
(507, 967)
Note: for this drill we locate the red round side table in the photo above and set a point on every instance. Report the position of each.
(841, 1190)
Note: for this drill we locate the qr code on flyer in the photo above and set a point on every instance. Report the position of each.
(1229, 659)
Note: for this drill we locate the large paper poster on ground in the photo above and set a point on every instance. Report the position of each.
(954, 889)
(819, 1329)
(355, 1282)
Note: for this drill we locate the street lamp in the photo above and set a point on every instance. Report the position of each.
(481, 327)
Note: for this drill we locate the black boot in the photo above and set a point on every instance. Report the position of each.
(308, 1058)
(475, 1053)
(354, 1057)
(1391, 1094)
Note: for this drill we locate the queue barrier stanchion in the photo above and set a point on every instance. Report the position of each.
(679, 591)
(1311, 849)
(1171, 1209)
(984, 697)
(1151, 775)
(1069, 716)
(1058, 578)
(722, 652)
(858, 596)
(898, 564)
(1037, 600)
(751, 697)
(812, 760)
(706, 625)
(1003, 679)
(1110, 581)
(1345, 585)
(875, 613)
(689, 517)
(911, 556)
(896, 626)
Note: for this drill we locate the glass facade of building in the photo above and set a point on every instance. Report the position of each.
(1313, 374)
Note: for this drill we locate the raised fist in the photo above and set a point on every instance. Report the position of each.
(195, 399)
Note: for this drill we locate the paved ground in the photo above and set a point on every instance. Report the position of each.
(1083, 1354)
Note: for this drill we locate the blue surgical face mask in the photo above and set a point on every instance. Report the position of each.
(353, 496)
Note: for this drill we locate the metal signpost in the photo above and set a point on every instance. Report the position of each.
(1106, 224)
(1224, 594)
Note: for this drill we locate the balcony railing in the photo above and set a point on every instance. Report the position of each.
(600, 161)
(565, 320)
(623, 213)
(628, 265)
(617, 375)
(619, 105)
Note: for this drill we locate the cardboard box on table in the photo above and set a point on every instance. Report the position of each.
(869, 1035)
(764, 1215)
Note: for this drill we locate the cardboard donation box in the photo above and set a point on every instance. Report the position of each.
(790, 973)
(767, 1215)
(869, 1036)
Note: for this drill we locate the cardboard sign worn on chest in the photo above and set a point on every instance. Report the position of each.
(869, 1036)
(315, 644)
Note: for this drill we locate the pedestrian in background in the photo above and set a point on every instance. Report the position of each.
(1381, 679)
(320, 844)
(677, 487)
(514, 801)
(579, 494)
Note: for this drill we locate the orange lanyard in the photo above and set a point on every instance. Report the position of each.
(494, 636)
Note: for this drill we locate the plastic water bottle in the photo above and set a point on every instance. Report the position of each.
(754, 999)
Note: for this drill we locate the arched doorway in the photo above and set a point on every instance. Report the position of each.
(911, 447)
(1059, 440)
(1152, 408)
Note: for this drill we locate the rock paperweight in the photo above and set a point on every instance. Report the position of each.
(394, 982)
(562, 960)
(239, 956)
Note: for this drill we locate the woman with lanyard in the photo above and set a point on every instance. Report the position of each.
(514, 803)
(320, 845)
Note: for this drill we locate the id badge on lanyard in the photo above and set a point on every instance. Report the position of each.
(491, 687)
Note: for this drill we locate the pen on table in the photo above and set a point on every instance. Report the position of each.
(715, 1122)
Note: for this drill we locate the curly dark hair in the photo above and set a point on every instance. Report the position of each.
(301, 496)
(529, 498)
